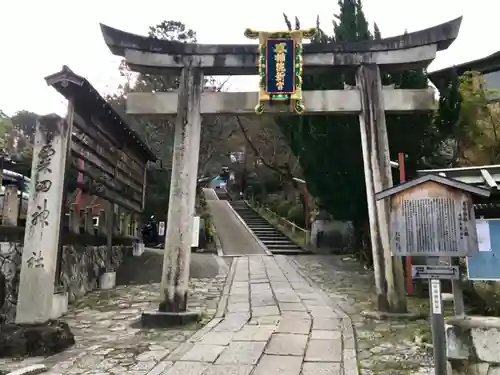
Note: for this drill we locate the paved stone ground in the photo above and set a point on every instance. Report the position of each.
(105, 323)
(383, 347)
(272, 321)
(275, 323)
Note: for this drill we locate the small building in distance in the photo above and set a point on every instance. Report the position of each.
(488, 66)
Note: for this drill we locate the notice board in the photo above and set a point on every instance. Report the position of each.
(485, 265)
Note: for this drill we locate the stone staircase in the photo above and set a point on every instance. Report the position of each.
(275, 241)
(222, 194)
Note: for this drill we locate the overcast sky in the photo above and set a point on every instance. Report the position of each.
(39, 36)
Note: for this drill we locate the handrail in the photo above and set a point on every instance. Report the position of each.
(278, 218)
(283, 219)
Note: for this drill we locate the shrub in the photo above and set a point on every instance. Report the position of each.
(283, 207)
(296, 215)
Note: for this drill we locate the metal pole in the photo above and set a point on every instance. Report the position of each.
(437, 324)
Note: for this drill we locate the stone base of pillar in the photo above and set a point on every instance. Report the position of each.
(159, 319)
(138, 249)
(107, 280)
(59, 305)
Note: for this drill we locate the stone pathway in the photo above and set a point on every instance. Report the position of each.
(235, 238)
(384, 347)
(108, 337)
(275, 322)
(270, 320)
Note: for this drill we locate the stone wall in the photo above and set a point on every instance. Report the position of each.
(473, 345)
(80, 270)
(82, 266)
(10, 267)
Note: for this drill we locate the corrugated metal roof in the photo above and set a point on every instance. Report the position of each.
(480, 176)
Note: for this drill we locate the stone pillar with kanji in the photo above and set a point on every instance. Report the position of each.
(42, 233)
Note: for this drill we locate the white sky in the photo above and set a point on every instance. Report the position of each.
(38, 36)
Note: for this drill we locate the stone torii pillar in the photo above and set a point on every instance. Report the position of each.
(176, 261)
(368, 100)
(378, 177)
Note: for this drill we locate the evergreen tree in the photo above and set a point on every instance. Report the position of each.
(377, 35)
(361, 24)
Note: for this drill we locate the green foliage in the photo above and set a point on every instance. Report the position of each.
(283, 207)
(469, 122)
(261, 183)
(204, 213)
(477, 130)
(16, 140)
(25, 122)
(6, 128)
(296, 215)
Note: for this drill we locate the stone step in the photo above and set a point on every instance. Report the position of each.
(273, 239)
(282, 246)
(290, 251)
(274, 236)
(276, 241)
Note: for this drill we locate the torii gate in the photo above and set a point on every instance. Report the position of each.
(369, 100)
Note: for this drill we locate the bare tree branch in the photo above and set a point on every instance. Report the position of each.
(283, 171)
